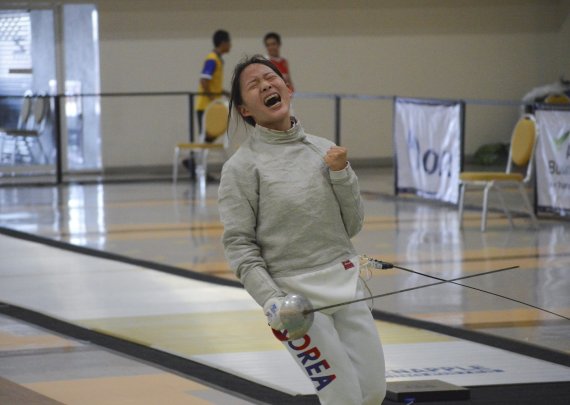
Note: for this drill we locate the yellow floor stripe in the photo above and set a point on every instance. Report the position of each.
(185, 234)
(159, 203)
(181, 202)
(140, 390)
(224, 332)
(16, 394)
(168, 226)
(514, 317)
(11, 342)
(492, 252)
(215, 234)
(191, 334)
(147, 228)
(391, 333)
(412, 223)
(215, 268)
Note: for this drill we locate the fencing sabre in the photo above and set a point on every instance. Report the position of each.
(297, 313)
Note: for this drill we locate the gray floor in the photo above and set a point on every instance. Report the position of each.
(179, 226)
(49, 363)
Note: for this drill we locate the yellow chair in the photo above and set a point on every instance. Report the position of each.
(521, 154)
(214, 126)
(557, 98)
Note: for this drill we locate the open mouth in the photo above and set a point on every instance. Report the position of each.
(271, 100)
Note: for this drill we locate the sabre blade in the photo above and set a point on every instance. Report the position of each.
(481, 290)
(385, 265)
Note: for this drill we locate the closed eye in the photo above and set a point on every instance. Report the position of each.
(251, 85)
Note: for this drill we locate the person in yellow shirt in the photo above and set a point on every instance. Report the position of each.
(211, 82)
(212, 75)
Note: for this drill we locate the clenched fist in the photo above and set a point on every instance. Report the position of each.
(336, 158)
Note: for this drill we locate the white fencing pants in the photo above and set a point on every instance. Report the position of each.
(342, 355)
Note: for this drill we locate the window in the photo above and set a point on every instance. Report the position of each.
(15, 53)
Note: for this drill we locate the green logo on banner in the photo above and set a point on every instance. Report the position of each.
(563, 138)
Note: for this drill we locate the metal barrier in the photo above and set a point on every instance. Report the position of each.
(58, 114)
(57, 109)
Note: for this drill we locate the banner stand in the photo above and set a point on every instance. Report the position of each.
(552, 160)
(428, 147)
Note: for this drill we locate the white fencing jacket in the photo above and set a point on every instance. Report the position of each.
(284, 212)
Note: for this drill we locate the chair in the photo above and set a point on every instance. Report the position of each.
(23, 118)
(214, 126)
(557, 98)
(31, 124)
(521, 153)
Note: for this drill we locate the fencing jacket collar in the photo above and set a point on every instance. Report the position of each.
(293, 134)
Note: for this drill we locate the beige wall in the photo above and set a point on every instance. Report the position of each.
(420, 48)
(564, 43)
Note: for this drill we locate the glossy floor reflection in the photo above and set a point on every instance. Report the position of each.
(178, 226)
(218, 327)
(44, 368)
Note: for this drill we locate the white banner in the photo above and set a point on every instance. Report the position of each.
(553, 161)
(428, 147)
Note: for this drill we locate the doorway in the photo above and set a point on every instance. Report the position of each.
(49, 52)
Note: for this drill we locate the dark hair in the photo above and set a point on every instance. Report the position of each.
(273, 35)
(220, 36)
(235, 95)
